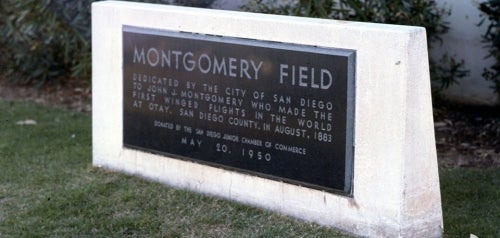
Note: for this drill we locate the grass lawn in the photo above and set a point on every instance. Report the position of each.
(48, 188)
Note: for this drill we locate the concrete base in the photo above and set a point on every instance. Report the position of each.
(396, 184)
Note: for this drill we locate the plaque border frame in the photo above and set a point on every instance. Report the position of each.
(350, 55)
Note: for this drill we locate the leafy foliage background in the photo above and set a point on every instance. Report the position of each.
(49, 40)
(492, 40)
(36, 46)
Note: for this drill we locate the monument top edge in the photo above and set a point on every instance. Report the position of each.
(367, 26)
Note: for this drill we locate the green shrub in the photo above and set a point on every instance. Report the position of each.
(36, 46)
(48, 40)
(403, 12)
(492, 38)
(77, 14)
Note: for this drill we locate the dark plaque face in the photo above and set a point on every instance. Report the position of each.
(275, 110)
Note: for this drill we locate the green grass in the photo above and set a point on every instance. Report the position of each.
(48, 188)
(471, 202)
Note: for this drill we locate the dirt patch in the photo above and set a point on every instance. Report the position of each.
(467, 136)
(71, 95)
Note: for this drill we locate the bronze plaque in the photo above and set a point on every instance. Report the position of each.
(277, 110)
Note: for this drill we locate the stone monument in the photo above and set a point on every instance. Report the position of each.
(327, 121)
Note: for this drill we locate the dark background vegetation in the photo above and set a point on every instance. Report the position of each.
(49, 40)
(491, 38)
